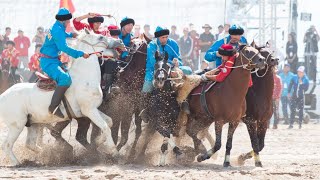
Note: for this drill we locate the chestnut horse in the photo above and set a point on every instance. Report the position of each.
(226, 103)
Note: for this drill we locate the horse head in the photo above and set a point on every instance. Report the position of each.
(267, 53)
(250, 58)
(161, 70)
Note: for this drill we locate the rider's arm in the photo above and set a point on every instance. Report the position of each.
(211, 54)
(59, 38)
(150, 62)
(79, 25)
(176, 51)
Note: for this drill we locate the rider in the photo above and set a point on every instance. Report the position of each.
(227, 53)
(55, 42)
(114, 31)
(125, 35)
(163, 44)
(11, 54)
(235, 39)
(94, 20)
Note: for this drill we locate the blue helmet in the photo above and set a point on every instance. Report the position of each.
(63, 14)
(126, 21)
(236, 30)
(161, 32)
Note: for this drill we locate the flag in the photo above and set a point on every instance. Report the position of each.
(68, 5)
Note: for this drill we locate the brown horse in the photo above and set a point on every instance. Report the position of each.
(226, 101)
(259, 106)
(6, 78)
(120, 107)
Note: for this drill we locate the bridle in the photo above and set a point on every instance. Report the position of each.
(246, 66)
(267, 68)
(132, 52)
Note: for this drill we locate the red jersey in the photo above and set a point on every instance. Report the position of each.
(12, 55)
(225, 69)
(34, 62)
(22, 45)
(79, 26)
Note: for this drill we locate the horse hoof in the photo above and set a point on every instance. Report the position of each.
(226, 164)
(258, 164)
(202, 157)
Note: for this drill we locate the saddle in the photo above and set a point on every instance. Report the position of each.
(203, 86)
(201, 90)
(45, 83)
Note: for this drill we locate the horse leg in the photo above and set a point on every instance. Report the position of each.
(217, 146)
(40, 135)
(261, 133)
(115, 130)
(231, 129)
(125, 126)
(164, 151)
(105, 137)
(31, 142)
(193, 132)
(131, 138)
(252, 130)
(205, 134)
(83, 127)
(140, 126)
(56, 132)
(146, 137)
(15, 130)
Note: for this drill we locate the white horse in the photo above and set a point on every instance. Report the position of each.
(25, 101)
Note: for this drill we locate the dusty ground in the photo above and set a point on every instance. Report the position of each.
(289, 154)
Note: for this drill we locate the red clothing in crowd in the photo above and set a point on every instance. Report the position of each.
(34, 62)
(22, 45)
(196, 48)
(79, 26)
(277, 88)
(12, 55)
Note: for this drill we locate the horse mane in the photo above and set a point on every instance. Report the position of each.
(75, 44)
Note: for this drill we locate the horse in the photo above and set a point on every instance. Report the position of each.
(163, 109)
(25, 102)
(259, 106)
(6, 78)
(225, 103)
(121, 106)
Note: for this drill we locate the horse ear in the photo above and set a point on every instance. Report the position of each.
(157, 56)
(253, 44)
(242, 46)
(267, 44)
(146, 38)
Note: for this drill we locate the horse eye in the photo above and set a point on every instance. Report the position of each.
(100, 38)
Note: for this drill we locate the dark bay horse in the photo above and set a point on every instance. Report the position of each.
(121, 106)
(6, 78)
(259, 106)
(225, 101)
(162, 110)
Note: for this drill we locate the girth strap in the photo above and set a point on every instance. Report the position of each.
(203, 101)
(68, 108)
